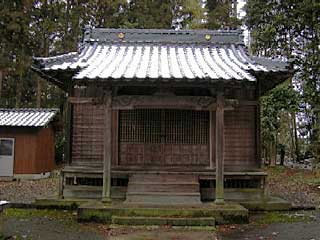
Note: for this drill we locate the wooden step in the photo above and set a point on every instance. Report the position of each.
(171, 221)
(148, 199)
(164, 189)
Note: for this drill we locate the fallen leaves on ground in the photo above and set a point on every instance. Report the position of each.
(295, 185)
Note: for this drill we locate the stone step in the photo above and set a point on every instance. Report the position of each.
(171, 221)
(230, 213)
(163, 187)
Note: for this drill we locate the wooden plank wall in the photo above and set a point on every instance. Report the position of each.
(45, 158)
(240, 138)
(34, 149)
(88, 133)
(135, 154)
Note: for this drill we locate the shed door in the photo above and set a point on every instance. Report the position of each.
(6, 157)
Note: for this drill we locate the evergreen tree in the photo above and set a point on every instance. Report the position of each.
(15, 43)
(221, 15)
(165, 14)
(291, 28)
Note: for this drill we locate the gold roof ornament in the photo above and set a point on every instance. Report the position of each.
(208, 37)
(121, 35)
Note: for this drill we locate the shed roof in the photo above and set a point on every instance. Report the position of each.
(160, 55)
(27, 117)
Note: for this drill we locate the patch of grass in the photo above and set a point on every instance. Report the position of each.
(284, 217)
(68, 218)
(2, 237)
(16, 237)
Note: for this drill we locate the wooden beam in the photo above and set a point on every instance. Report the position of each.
(106, 189)
(79, 100)
(127, 102)
(220, 149)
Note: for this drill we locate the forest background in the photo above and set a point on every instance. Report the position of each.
(290, 113)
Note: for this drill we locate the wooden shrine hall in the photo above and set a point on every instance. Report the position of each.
(163, 116)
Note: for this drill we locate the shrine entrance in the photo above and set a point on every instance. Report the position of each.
(163, 137)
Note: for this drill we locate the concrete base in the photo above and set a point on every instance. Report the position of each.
(56, 203)
(35, 176)
(268, 204)
(6, 179)
(228, 213)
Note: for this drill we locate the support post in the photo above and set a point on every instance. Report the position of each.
(106, 189)
(68, 123)
(212, 139)
(67, 131)
(219, 149)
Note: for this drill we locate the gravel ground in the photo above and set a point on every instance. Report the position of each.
(26, 191)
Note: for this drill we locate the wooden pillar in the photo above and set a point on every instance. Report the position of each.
(106, 190)
(212, 141)
(68, 122)
(219, 149)
(68, 137)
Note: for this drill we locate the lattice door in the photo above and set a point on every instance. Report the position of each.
(163, 137)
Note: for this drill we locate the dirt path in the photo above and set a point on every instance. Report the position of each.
(281, 226)
(31, 224)
(279, 231)
(34, 224)
(38, 228)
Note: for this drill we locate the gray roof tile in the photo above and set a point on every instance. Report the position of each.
(26, 117)
(114, 54)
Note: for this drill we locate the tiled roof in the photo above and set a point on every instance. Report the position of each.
(26, 117)
(161, 55)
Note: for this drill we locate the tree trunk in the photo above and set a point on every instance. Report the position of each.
(297, 151)
(292, 145)
(38, 103)
(19, 90)
(1, 76)
(273, 153)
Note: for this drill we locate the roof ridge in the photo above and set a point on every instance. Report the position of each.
(163, 36)
(29, 109)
